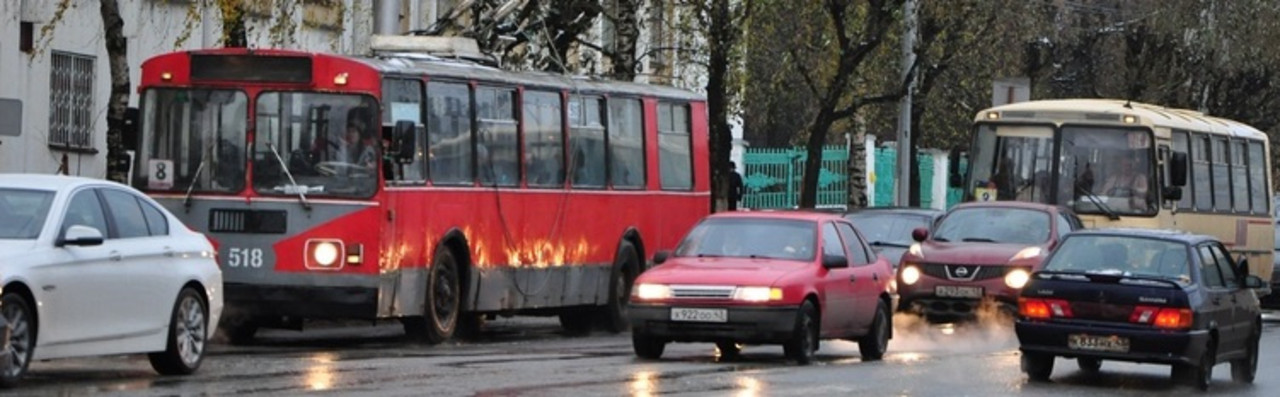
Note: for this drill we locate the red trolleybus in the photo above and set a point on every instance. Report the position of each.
(435, 191)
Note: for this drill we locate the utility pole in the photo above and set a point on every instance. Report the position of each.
(902, 183)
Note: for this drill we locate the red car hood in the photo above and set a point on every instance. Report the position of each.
(721, 271)
(968, 253)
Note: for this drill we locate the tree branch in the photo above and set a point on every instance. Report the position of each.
(802, 70)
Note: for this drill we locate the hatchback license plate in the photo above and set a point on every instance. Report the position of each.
(699, 315)
(1098, 343)
(957, 291)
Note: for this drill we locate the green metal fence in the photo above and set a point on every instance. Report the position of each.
(774, 176)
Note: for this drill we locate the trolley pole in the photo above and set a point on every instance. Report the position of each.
(902, 184)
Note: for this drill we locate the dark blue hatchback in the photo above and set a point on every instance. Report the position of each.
(1140, 295)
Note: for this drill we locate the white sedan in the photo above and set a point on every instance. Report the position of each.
(91, 267)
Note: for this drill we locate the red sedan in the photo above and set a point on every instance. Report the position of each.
(979, 252)
(787, 278)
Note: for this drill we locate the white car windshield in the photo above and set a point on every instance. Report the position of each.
(22, 213)
(994, 225)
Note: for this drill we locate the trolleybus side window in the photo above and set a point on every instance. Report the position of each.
(1200, 176)
(449, 133)
(1180, 144)
(674, 161)
(586, 142)
(543, 139)
(626, 144)
(402, 101)
(1259, 183)
(497, 146)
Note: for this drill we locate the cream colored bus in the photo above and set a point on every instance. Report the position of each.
(1127, 164)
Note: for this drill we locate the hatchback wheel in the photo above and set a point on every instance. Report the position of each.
(22, 337)
(804, 341)
(647, 347)
(1037, 366)
(1204, 371)
(188, 333)
(1243, 370)
(873, 345)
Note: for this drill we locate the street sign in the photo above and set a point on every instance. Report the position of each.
(10, 117)
(1009, 90)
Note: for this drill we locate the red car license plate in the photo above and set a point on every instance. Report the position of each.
(957, 291)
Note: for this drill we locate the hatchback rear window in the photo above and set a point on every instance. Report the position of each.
(1122, 255)
(22, 212)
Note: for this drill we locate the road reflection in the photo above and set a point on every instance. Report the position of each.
(644, 384)
(320, 375)
(750, 387)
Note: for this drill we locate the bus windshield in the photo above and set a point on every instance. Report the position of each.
(330, 144)
(193, 140)
(1102, 170)
(1012, 162)
(1107, 170)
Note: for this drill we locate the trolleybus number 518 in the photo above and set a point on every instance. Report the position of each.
(244, 257)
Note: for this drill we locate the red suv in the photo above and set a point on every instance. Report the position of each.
(979, 252)
(788, 278)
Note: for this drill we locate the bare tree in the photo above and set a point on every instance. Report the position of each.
(721, 23)
(853, 45)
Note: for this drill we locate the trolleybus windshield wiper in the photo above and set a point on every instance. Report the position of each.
(186, 200)
(302, 190)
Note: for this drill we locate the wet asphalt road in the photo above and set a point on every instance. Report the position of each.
(530, 357)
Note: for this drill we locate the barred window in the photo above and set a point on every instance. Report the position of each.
(71, 100)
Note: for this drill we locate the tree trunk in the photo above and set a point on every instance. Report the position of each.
(857, 169)
(721, 40)
(625, 61)
(118, 102)
(915, 194)
(234, 34)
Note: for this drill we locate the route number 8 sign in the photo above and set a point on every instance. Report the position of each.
(160, 174)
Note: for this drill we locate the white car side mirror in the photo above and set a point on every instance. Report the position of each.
(80, 235)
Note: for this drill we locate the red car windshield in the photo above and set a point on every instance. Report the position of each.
(751, 238)
(994, 225)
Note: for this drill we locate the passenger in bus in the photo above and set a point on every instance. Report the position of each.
(1128, 182)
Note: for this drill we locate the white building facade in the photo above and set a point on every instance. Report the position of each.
(54, 63)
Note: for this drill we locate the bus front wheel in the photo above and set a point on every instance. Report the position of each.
(442, 303)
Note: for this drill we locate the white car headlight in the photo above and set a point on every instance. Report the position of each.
(1017, 278)
(916, 250)
(652, 292)
(1027, 253)
(910, 274)
(757, 294)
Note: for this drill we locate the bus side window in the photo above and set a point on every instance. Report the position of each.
(626, 144)
(449, 133)
(402, 101)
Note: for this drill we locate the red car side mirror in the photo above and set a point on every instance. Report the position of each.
(919, 234)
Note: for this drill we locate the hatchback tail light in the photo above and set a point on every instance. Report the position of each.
(1043, 309)
(1162, 317)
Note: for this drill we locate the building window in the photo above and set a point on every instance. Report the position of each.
(71, 101)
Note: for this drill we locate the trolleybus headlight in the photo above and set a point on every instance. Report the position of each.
(324, 254)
